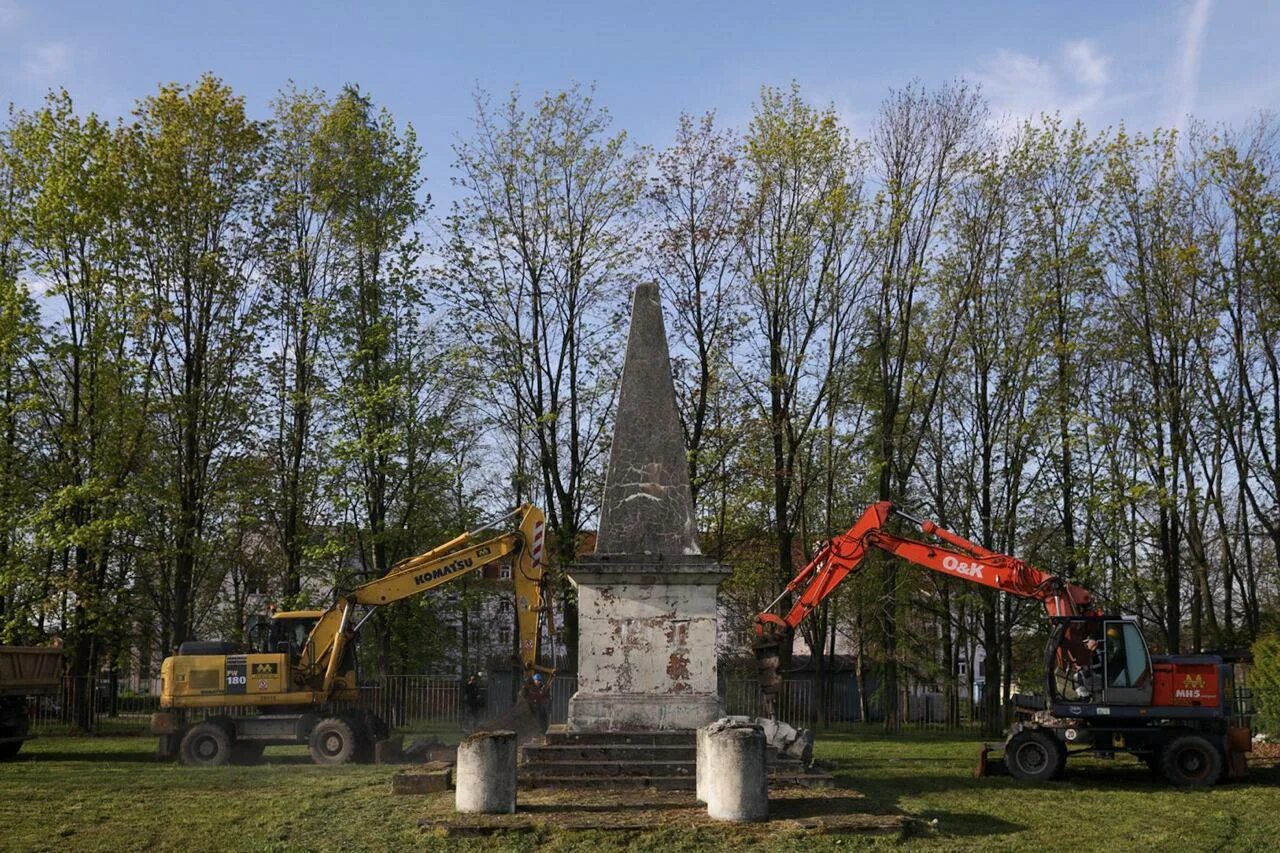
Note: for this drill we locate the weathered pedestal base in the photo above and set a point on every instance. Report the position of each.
(641, 712)
(647, 631)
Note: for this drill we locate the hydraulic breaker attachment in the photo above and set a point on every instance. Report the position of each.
(768, 650)
(529, 716)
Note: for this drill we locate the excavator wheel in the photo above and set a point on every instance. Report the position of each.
(1033, 756)
(206, 744)
(333, 741)
(1191, 761)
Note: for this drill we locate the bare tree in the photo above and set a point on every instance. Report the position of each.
(921, 144)
(542, 250)
(696, 201)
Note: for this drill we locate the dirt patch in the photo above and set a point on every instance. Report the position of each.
(568, 810)
(1265, 752)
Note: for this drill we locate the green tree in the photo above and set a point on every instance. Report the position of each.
(922, 145)
(298, 269)
(95, 378)
(394, 397)
(194, 160)
(19, 346)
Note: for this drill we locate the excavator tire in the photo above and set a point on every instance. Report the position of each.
(1033, 756)
(333, 741)
(206, 744)
(1191, 761)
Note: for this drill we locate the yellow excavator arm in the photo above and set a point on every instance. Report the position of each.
(333, 631)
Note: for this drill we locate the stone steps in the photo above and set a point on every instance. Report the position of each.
(658, 759)
(536, 753)
(560, 736)
(665, 760)
(679, 782)
(608, 767)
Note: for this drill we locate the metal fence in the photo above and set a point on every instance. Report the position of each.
(418, 702)
(90, 705)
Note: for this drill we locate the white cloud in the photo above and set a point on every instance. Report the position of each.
(1188, 70)
(1019, 85)
(1087, 65)
(45, 61)
(10, 14)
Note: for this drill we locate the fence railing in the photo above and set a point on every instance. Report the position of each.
(418, 702)
(90, 705)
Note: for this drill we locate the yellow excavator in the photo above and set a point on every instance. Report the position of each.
(298, 684)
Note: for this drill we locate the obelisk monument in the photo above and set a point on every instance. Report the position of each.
(647, 616)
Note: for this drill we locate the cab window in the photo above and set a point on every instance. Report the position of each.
(1125, 656)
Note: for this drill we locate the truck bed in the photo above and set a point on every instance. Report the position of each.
(29, 670)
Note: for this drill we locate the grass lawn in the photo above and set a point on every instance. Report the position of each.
(109, 794)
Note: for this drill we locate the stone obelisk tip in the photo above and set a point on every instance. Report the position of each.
(647, 508)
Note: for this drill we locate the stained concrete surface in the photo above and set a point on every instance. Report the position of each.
(647, 614)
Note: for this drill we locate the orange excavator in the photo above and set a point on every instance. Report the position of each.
(1187, 716)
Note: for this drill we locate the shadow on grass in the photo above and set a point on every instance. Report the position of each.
(821, 806)
(970, 824)
(599, 808)
(105, 757)
(86, 756)
(1094, 776)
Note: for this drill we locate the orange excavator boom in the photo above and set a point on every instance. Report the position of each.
(951, 554)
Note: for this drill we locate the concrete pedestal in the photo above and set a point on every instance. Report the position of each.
(735, 780)
(647, 636)
(700, 785)
(485, 775)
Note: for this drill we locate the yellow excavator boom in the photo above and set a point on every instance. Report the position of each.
(458, 557)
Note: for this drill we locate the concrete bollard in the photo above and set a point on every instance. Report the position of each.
(485, 775)
(736, 780)
(700, 786)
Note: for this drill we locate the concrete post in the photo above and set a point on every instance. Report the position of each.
(700, 785)
(485, 776)
(735, 781)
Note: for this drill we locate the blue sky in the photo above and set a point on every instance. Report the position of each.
(1147, 63)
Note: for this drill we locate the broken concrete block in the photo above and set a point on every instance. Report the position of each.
(420, 781)
(786, 739)
(389, 751)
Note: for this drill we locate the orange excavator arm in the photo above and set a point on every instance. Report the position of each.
(951, 555)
